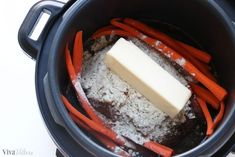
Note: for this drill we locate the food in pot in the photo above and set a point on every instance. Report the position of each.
(123, 119)
(142, 73)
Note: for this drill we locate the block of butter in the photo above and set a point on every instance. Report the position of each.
(145, 75)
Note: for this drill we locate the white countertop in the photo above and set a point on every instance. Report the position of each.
(21, 125)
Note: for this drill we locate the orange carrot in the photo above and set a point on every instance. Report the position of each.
(69, 64)
(105, 28)
(159, 149)
(218, 91)
(104, 140)
(111, 32)
(199, 54)
(207, 115)
(219, 116)
(205, 95)
(79, 91)
(97, 127)
(207, 72)
(78, 53)
(153, 32)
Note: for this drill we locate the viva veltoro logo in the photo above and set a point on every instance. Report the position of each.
(16, 152)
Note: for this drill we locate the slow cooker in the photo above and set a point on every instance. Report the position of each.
(209, 22)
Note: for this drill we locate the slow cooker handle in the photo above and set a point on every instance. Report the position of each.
(36, 24)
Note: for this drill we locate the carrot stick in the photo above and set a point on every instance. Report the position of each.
(97, 127)
(218, 91)
(79, 91)
(205, 95)
(152, 32)
(104, 140)
(69, 64)
(105, 28)
(208, 74)
(219, 116)
(159, 149)
(78, 53)
(199, 54)
(111, 32)
(207, 115)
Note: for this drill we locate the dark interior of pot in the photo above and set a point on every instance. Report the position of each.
(197, 23)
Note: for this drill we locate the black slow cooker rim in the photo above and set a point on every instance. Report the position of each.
(72, 128)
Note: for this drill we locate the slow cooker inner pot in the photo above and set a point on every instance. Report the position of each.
(196, 18)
